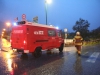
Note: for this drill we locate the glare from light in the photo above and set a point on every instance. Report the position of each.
(8, 24)
(4, 29)
(9, 62)
(65, 30)
(8, 56)
(2, 32)
(24, 41)
(51, 25)
(48, 1)
(57, 27)
(15, 24)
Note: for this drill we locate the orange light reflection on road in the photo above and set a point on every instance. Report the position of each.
(7, 55)
(9, 64)
(9, 61)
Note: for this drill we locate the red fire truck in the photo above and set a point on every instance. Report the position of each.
(28, 37)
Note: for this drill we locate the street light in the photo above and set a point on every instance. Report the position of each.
(4, 29)
(2, 32)
(65, 30)
(8, 25)
(65, 41)
(46, 3)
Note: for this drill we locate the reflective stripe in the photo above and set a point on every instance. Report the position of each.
(26, 51)
(78, 40)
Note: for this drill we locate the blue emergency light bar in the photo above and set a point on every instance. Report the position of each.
(21, 22)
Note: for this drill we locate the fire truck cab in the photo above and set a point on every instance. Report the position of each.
(28, 37)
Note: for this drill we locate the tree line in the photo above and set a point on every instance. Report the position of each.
(82, 26)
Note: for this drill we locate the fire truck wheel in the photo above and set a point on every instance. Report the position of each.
(61, 47)
(37, 52)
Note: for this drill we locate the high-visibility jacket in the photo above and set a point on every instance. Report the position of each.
(78, 40)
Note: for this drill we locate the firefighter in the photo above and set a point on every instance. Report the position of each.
(78, 42)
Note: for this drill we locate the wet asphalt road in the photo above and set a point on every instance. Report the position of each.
(66, 63)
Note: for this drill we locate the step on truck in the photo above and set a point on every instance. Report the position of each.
(28, 37)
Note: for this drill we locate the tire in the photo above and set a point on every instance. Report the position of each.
(61, 47)
(37, 53)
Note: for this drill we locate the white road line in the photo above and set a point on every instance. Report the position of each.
(93, 57)
(85, 53)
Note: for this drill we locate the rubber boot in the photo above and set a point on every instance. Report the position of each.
(79, 53)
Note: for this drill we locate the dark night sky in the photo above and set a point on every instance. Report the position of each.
(61, 13)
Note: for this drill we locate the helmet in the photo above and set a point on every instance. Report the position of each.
(77, 33)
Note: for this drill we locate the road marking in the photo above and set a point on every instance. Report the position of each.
(93, 57)
(85, 53)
